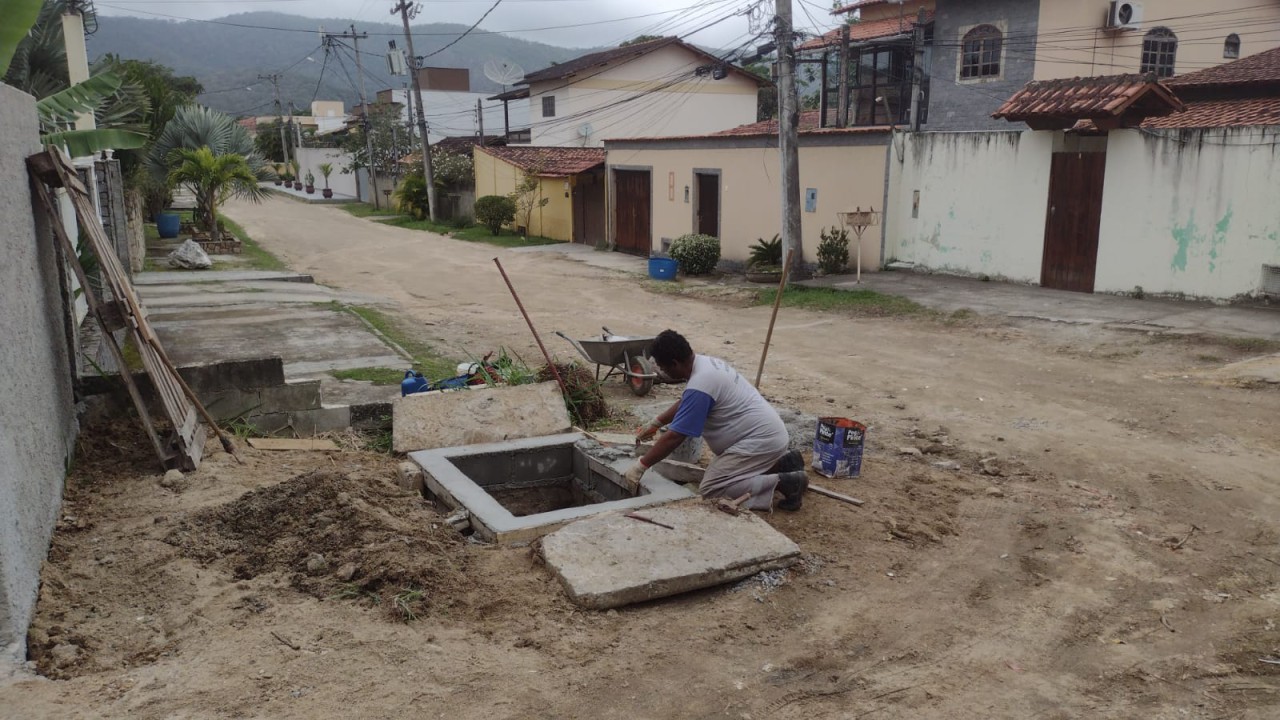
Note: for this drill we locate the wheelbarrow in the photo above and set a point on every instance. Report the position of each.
(625, 355)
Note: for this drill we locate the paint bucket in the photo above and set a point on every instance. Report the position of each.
(837, 447)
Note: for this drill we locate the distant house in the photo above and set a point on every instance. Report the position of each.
(1123, 183)
(726, 184)
(571, 180)
(660, 88)
(450, 105)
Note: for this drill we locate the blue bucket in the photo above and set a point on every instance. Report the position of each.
(167, 224)
(663, 268)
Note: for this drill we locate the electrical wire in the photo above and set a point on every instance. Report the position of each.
(458, 39)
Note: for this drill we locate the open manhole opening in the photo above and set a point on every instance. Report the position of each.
(532, 481)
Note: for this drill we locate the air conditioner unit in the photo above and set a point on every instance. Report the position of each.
(1124, 15)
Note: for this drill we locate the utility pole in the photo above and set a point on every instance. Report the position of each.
(917, 70)
(788, 133)
(355, 39)
(290, 136)
(842, 112)
(274, 79)
(480, 120)
(408, 9)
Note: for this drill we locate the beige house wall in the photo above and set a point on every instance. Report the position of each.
(845, 177)
(656, 95)
(1072, 41)
(498, 177)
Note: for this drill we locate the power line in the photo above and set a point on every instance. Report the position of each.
(458, 39)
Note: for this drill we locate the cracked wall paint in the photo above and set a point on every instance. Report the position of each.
(1190, 237)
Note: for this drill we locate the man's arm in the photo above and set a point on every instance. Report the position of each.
(666, 445)
(664, 418)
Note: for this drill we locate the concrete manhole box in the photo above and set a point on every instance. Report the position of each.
(522, 489)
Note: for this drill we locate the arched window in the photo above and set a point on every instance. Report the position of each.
(980, 52)
(1231, 48)
(1159, 52)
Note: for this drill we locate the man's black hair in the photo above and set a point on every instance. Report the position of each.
(669, 348)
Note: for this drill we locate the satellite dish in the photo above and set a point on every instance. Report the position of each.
(585, 130)
(502, 72)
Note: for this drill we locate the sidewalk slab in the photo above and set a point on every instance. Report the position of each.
(611, 560)
(166, 277)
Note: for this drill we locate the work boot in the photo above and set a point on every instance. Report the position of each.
(792, 486)
(791, 462)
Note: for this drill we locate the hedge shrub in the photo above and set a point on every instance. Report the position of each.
(494, 211)
(697, 254)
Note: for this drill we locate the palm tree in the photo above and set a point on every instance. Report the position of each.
(214, 179)
(194, 127)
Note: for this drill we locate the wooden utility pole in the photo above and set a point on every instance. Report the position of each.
(274, 79)
(788, 133)
(407, 10)
(355, 39)
(917, 70)
(480, 121)
(842, 112)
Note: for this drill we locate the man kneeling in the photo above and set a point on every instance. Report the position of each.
(749, 439)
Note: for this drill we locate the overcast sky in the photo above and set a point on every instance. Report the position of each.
(613, 20)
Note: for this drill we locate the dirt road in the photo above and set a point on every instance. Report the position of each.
(1065, 581)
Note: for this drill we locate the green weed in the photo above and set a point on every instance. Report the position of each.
(858, 302)
(475, 233)
(405, 601)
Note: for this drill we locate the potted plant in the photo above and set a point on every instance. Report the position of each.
(311, 183)
(297, 174)
(326, 169)
(279, 168)
(764, 265)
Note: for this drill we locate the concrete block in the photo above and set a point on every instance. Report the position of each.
(611, 560)
(428, 421)
(409, 477)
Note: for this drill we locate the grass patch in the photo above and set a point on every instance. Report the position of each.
(473, 233)
(361, 209)
(1250, 344)
(375, 375)
(1238, 345)
(860, 302)
(259, 258)
(425, 359)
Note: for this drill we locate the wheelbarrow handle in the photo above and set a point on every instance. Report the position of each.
(576, 345)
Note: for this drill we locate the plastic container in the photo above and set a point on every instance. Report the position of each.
(663, 268)
(413, 383)
(167, 224)
(837, 447)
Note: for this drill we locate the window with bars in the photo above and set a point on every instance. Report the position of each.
(980, 52)
(1231, 48)
(549, 106)
(1159, 52)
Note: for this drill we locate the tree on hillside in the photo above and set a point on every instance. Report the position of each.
(767, 96)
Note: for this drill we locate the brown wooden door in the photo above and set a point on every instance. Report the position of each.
(631, 211)
(1074, 216)
(708, 204)
(589, 215)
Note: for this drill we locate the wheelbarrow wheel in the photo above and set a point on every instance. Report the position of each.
(640, 386)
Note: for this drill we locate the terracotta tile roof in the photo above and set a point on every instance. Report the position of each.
(1261, 68)
(1221, 113)
(864, 31)
(549, 161)
(767, 128)
(1048, 104)
(620, 55)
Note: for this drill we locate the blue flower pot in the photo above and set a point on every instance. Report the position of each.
(663, 268)
(167, 224)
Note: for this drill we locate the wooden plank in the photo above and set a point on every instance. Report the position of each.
(292, 444)
(834, 495)
(69, 251)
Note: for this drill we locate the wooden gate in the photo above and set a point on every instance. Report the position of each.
(588, 208)
(632, 199)
(1074, 216)
(708, 213)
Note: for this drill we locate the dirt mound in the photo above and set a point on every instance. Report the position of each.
(587, 404)
(335, 537)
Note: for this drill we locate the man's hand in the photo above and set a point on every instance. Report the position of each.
(648, 431)
(632, 478)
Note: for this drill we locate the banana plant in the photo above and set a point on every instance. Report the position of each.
(59, 112)
(19, 16)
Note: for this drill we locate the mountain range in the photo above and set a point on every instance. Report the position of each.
(228, 54)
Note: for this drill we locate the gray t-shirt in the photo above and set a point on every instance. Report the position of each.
(728, 412)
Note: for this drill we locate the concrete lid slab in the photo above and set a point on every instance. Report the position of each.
(611, 560)
(426, 421)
